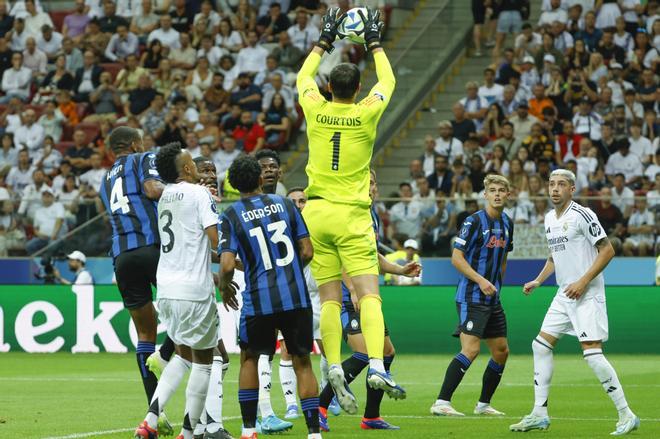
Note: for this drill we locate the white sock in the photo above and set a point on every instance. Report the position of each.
(377, 364)
(314, 436)
(543, 369)
(288, 381)
(198, 385)
(441, 402)
(169, 381)
(248, 432)
(264, 370)
(482, 405)
(323, 363)
(608, 378)
(200, 428)
(213, 404)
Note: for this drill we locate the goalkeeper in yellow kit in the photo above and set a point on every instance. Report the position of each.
(341, 136)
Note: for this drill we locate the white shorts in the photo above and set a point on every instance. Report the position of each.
(192, 324)
(585, 319)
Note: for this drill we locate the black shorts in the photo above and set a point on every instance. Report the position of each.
(258, 334)
(478, 12)
(350, 322)
(135, 271)
(483, 321)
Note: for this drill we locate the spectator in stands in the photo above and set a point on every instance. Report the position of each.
(647, 89)
(49, 42)
(640, 145)
(199, 80)
(428, 156)
(252, 58)
(622, 196)
(8, 153)
(406, 215)
(166, 34)
(591, 35)
(184, 57)
(567, 144)
(73, 57)
(10, 119)
(275, 84)
(122, 44)
(105, 100)
(51, 121)
(249, 135)
(522, 121)
(216, 98)
(277, 123)
(128, 77)
(79, 154)
(552, 14)
(641, 227)
(30, 135)
(477, 173)
(210, 17)
(207, 129)
(507, 141)
(139, 99)
(653, 196)
(610, 218)
(110, 21)
(31, 198)
(144, 23)
(527, 43)
(463, 127)
(94, 39)
(74, 24)
(34, 59)
(539, 102)
(439, 226)
(68, 108)
(5, 56)
(48, 158)
(492, 127)
(6, 20)
(245, 18)
(441, 179)
(475, 106)
(35, 19)
(548, 54)
(12, 235)
(57, 79)
(182, 17)
(625, 163)
(93, 178)
(490, 91)
(18, 36)
(16, 81)
(288, 56)
(88, 77)
(498, 162)
(303, 33)
(174, 129)
(270, 25)
(19, 9)
(517, 208)
(151, 58)
(227, 38)
(247, 95)
(154, 118)
(192, 144)
(20, 175)
(211, 52)
(564, 41)
(517, 175)
(225, 156)
(423, 193)
(447, 145)
(48, 221)
(263, 77)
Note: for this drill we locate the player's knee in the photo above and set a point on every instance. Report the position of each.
(501, 354)
(389, 350)
(301, 363)
(471, 352)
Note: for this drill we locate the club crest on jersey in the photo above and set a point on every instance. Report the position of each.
(354, 324)
(469, 325)
(564, 227)
(495, 242)
(594, 229)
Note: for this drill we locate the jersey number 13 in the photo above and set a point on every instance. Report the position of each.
(277, 229)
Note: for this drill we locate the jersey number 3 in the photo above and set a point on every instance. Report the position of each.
(336, 139)
(166, 228)
(278, 228)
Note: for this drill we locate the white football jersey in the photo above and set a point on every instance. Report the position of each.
(312, 287)
(572, 242)
(185, 210)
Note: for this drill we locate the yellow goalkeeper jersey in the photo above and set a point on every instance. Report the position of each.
(341, 136)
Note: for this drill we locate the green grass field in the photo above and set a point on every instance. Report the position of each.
(76, 396)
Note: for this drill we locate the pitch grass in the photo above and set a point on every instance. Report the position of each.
(75, 396)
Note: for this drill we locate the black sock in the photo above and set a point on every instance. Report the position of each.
(248, 399)
(149, 381)
(455, 372)
(310, 408)
(166, 349)
(492, 377)
(352, 367)
(375, 397)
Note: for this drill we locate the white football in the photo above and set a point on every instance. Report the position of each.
(352, 26)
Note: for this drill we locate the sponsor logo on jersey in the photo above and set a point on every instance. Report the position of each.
(594, 229)
(495, 242)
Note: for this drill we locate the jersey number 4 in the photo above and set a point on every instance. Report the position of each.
(277, 228)
(119, 201)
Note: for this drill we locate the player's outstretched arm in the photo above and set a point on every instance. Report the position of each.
(411, 269)
(462, 265)
(372, 35)
(306, 250)
(547, 270)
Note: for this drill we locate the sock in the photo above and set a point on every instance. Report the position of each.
(310, 408)
(149, 380)
(455, 373)
(375, 397)
(166, 349)
(198, 386)
(200, 428)
(609, 379)
(213, 404)
(172, 376)
(491, 379)
(264, 367)
(248, 399)
(373, 329)
(323, 366)
(352, 367)
(331, 330)
(543, 368)
(288, 382)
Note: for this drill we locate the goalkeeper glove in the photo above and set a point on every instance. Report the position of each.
(329, 24)
(372, 28)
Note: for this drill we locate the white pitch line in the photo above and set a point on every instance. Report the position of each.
(117, 430)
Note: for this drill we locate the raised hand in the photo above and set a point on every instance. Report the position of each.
(372, 27)
(329, 24)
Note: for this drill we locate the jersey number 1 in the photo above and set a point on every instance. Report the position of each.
(336, 138)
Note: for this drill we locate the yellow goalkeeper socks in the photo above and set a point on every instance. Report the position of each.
(331, 330)
(373, 325)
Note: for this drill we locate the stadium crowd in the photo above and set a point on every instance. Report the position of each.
(578, 89)
(216, 76)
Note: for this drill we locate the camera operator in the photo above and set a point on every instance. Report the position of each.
(77, 265)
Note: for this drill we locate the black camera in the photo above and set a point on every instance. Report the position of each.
(47, 271)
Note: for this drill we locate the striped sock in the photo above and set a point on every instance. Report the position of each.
(310, 408)
(248, 399)
(491, 379)
(149, 380)
(455, 373)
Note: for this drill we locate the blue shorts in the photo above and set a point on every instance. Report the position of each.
(509, 22)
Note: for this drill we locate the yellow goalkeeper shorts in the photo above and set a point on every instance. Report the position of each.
(342, 236)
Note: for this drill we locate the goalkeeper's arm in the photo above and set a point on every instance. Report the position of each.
(386, 79)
